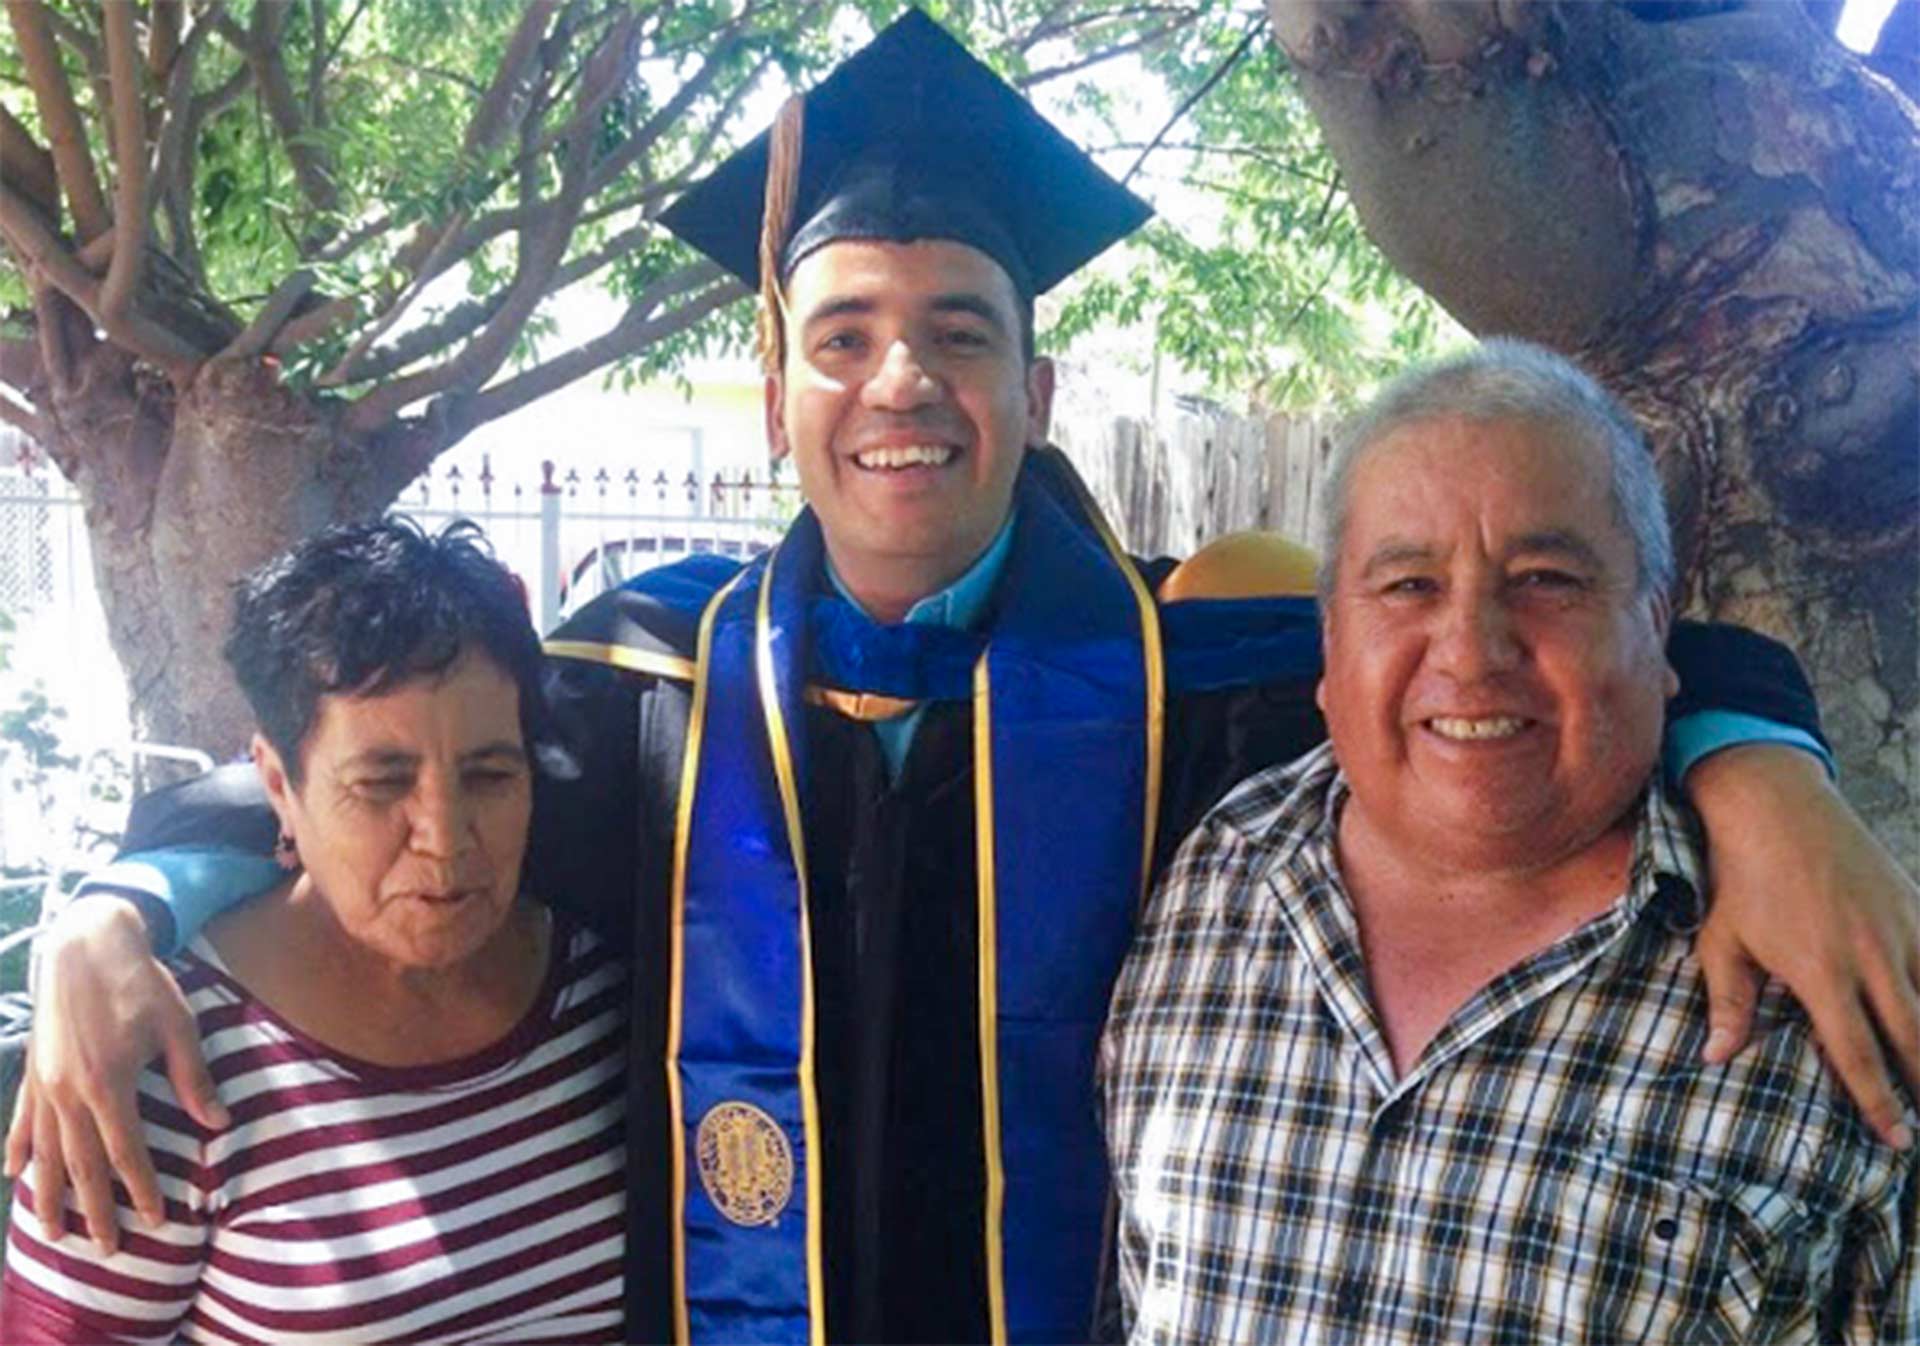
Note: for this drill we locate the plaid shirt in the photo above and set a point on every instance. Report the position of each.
(1558, 1165)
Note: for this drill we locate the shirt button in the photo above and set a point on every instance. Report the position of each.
(1666, 1228)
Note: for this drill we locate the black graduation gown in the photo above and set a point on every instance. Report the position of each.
(894, 906)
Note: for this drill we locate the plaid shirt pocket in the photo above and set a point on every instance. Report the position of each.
(1647, 1258)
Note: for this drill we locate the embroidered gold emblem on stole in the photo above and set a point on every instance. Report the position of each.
(745, 1163)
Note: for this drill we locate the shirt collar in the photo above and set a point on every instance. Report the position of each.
(1666, 877)
(961, 603)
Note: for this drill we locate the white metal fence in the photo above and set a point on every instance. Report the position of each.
(46, 566)
(571, 537)
(567, 537)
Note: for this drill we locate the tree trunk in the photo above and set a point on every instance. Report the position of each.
(183, 495)
(1715, 208)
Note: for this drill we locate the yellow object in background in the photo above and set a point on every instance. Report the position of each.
(1244, 565)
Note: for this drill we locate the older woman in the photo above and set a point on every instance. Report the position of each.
(423, 1066)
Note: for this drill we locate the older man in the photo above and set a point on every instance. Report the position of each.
(1408, 1048)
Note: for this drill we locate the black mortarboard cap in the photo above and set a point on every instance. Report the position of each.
(912, 138)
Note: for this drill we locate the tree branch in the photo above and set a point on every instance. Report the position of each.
(1257, 153)
(20, 415)
(1052, 24)
(92, 55)
(490, 120)
(703, 147)
(259, 334)
(465, 318)
(649, 133)
(163, 38)
(60, 115)
(352, 369)
(177, 106)
(476, 233)
(319, 322)
(28, 166)
(311, 169)
(1218, 73)
(172, 181)
(495, 223)
(419, 342)
(1142, 43)
(316, 62)
(636, 330)
(1042, 27)
(618, 246)
(339, 38)
(543, 243)
(383, 321)
(44, 253)
(49, 324)
(66, 30)
(458, 322)
(427, 254)
(222, 96)
(467, 82)
(130, 163)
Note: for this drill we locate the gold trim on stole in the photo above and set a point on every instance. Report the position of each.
(782, 751)
(1153, 651)
(676, 975)
(989, 960)
(674, 666)
(864, 706)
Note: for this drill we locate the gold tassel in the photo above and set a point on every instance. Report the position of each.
(783, 182)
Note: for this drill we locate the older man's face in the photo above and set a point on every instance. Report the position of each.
(1494, 681)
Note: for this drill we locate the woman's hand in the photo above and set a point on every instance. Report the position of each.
(104, 1007)
(1803, 891)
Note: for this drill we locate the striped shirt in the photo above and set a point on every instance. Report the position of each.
(1558, 1164)
(481, 1199)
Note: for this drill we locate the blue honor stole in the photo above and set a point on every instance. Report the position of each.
(1067, 690)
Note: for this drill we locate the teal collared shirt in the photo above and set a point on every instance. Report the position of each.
(957, 606)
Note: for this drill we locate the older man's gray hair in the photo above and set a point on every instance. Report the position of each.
(1506, 380)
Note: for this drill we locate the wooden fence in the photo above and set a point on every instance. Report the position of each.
(1173, 486)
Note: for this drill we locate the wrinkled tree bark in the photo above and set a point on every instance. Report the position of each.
(185, 490)
(1716, 208)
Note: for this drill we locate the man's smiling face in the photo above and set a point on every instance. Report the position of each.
(1495, 680)
(907, 403)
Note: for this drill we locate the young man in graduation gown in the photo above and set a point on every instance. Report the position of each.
(874, 813)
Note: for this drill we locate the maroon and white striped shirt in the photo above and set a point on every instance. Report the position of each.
(475, 1200)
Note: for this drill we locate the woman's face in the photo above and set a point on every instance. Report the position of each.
(411, 818)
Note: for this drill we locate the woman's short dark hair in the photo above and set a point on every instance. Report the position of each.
(360, 608)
